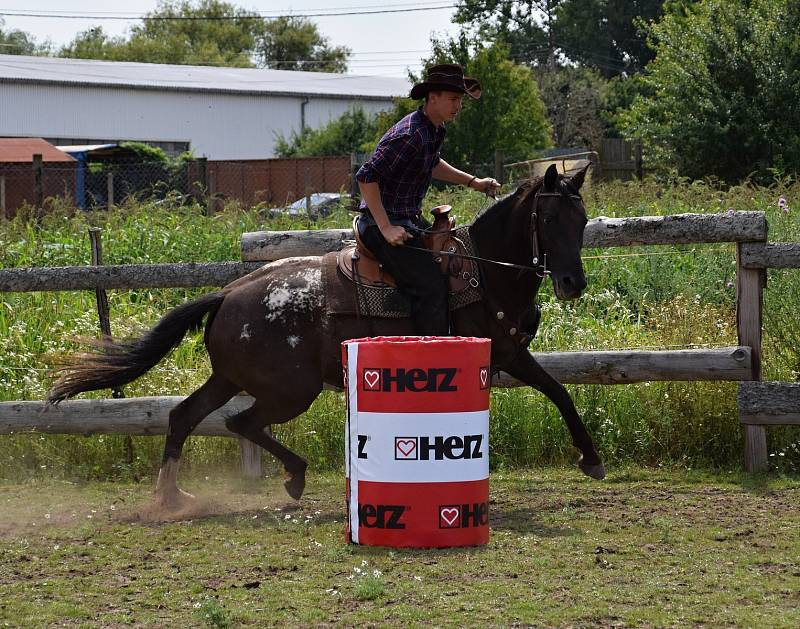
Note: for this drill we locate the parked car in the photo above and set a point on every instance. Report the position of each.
(322, 204)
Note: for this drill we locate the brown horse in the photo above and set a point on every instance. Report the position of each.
(269, 333)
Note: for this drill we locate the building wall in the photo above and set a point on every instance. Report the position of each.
(218, 126)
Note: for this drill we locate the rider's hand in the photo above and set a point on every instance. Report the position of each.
(395, 235)
(486, 185)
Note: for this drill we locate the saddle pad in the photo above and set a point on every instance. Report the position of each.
(343, 296)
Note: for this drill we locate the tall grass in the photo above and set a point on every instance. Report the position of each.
(681, 296)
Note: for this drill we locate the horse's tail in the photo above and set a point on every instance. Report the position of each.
(121, 362)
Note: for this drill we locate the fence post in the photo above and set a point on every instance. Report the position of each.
(749, 301)
(499, 171)
(639, 169)
(212, 191)
(354, 163)
(3, 197)
(110, 190)
(201, 185)
(38, 175)
(103, 312)
(307, 186)
(251, 458)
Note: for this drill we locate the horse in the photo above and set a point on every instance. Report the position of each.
(269, 334)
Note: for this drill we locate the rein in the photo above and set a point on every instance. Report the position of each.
(540, 268)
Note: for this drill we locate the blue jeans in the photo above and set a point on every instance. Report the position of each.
(418, 276)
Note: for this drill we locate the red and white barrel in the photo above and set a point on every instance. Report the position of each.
(417, 441)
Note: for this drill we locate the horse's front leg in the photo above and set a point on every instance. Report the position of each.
(526, 369)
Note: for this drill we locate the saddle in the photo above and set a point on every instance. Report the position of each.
(360, 266)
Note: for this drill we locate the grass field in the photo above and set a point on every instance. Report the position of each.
(645, 548)
(661, 297)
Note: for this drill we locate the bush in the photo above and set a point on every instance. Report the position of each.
(721, 94)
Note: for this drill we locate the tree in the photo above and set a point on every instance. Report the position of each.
(347, 134)
(16, 42)
(607, 35)
(576, 99)
(722, 88)
(510, 116)
(525, 27)
(229, 37)
(225, 42)
(294, 43)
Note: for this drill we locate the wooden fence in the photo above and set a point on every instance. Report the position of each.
(740, 363)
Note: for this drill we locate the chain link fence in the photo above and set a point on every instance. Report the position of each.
(295, 184)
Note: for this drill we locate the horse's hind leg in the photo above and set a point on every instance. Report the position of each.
(183, 419)
(275, 410)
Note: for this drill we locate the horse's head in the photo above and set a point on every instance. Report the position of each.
(555, 230)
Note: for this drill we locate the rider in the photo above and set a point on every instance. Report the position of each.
(393, 184)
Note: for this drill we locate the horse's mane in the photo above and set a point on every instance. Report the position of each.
(500, 210)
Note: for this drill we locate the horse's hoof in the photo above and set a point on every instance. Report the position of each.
(295, 485)
(596, 471)
(175, 500)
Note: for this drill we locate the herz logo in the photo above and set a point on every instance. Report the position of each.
(453, 448)
(463, 516)
(381, 516)
(401, 380)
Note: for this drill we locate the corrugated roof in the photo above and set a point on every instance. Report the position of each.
(55, 70)
(22, 150)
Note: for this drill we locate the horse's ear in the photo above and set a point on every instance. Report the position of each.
(577, 178)
(551, 178)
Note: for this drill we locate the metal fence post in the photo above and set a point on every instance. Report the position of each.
(201, 185)
(3, 197)
(110, 190)
(307, 186)
(638, 160)
(212, 191)
(38, 176)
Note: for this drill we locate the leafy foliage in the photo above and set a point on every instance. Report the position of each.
(16, 42)
(294, 43)
(510, 115)
(602, 34)
(575, 98)
(723, 90)
(350, 133)
(246, 40)
(193, 41)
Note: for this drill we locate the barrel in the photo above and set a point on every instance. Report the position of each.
(417, 441)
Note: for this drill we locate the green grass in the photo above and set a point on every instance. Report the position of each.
(680, 297)
(645, 548)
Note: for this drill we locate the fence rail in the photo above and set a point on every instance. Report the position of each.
(130, 276)
(600, 232)
(768, 403)
(741, 363)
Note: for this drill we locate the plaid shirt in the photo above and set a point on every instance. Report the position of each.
(402, 164)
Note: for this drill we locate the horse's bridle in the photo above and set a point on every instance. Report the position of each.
(539, 259)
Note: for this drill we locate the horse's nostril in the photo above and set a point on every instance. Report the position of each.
(567, 280)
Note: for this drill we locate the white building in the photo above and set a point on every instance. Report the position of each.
(219, 113)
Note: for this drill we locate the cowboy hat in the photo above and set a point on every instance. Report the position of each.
(447, 77)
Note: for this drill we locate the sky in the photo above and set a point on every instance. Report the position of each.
(383, 44)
